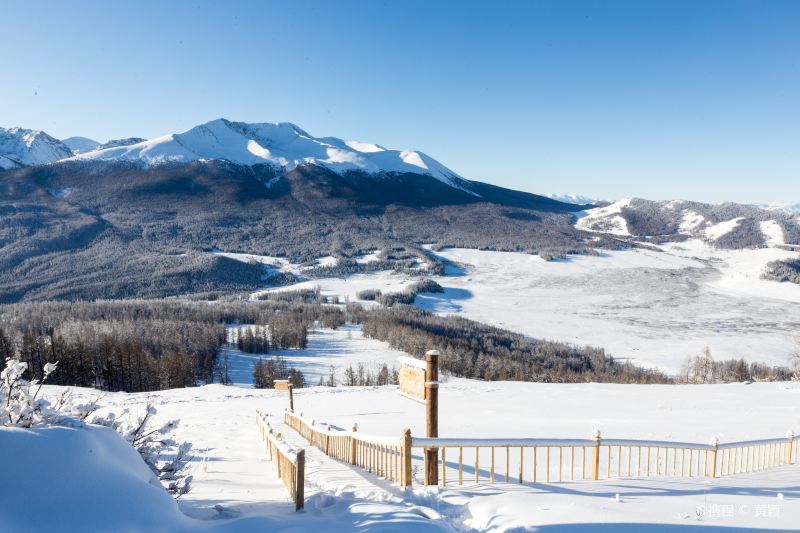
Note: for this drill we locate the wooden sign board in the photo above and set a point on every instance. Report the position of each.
(412, 378)
(281, 384)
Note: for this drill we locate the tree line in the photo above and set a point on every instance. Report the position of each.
(145, 345)
(266, 371)
(475, 350)
(703, 368)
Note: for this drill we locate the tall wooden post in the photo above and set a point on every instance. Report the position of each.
(299, 495)
(291, 397)
(790, 438)
(406, 481)
(595, 455)
(432, 415)
(327, 439)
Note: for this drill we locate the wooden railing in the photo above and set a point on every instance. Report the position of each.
(519, 460)
(385, 457)
(756, 455)
(554, 460)
(289, 462)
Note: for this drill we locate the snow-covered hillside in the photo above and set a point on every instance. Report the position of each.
(725, 225)
(606, 219)
(283, 145)
(235, 488)
(21, 148)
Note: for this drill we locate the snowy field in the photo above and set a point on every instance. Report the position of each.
(339, 348)
(653, 307)
(235, 487)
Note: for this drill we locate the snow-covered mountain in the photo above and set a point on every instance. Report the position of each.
(575, 199)
(282, 145)
(726, 225)
(84, 145)
(81, 145)
(21, 148)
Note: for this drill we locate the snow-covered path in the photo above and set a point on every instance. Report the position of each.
(235, 486)
(234, 476)
(330, 475)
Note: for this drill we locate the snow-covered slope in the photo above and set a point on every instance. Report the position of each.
(606, 219)
(282, 145)
(115, 143)
(21, 148)
(726, 225)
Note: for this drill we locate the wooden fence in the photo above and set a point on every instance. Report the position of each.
(289, 462)
(546, 460)
(385, 457)
(555, 460)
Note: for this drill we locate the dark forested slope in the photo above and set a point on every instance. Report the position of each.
(117, 230)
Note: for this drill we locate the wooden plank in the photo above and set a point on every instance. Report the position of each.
(412, 382)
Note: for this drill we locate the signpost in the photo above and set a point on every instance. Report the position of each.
(412, 378)
(419, 380)
(432, 415)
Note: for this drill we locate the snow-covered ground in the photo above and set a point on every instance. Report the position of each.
(653, 307)
(348, 287)
(327, 348)
(235, 488)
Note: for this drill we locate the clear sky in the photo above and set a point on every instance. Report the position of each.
(657, 99)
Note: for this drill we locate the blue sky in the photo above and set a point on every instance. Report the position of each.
(672, 99)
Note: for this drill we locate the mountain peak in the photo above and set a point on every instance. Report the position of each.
(20, 147)
(283, 145)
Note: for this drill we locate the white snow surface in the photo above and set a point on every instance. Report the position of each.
(79, 479)
(691, 221)
(235, 487)
(605, 219)
(20, 148)
(283, 145)
(655, 308)
(716, 231)
(326, 348)
(773, 233)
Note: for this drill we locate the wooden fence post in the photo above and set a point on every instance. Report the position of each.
(406, 482)
(327, 439)
(291, 397)
(432, 415)
(299, 495)
(595, 455)
(712, 470)
(353, 446)
(790, 437)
